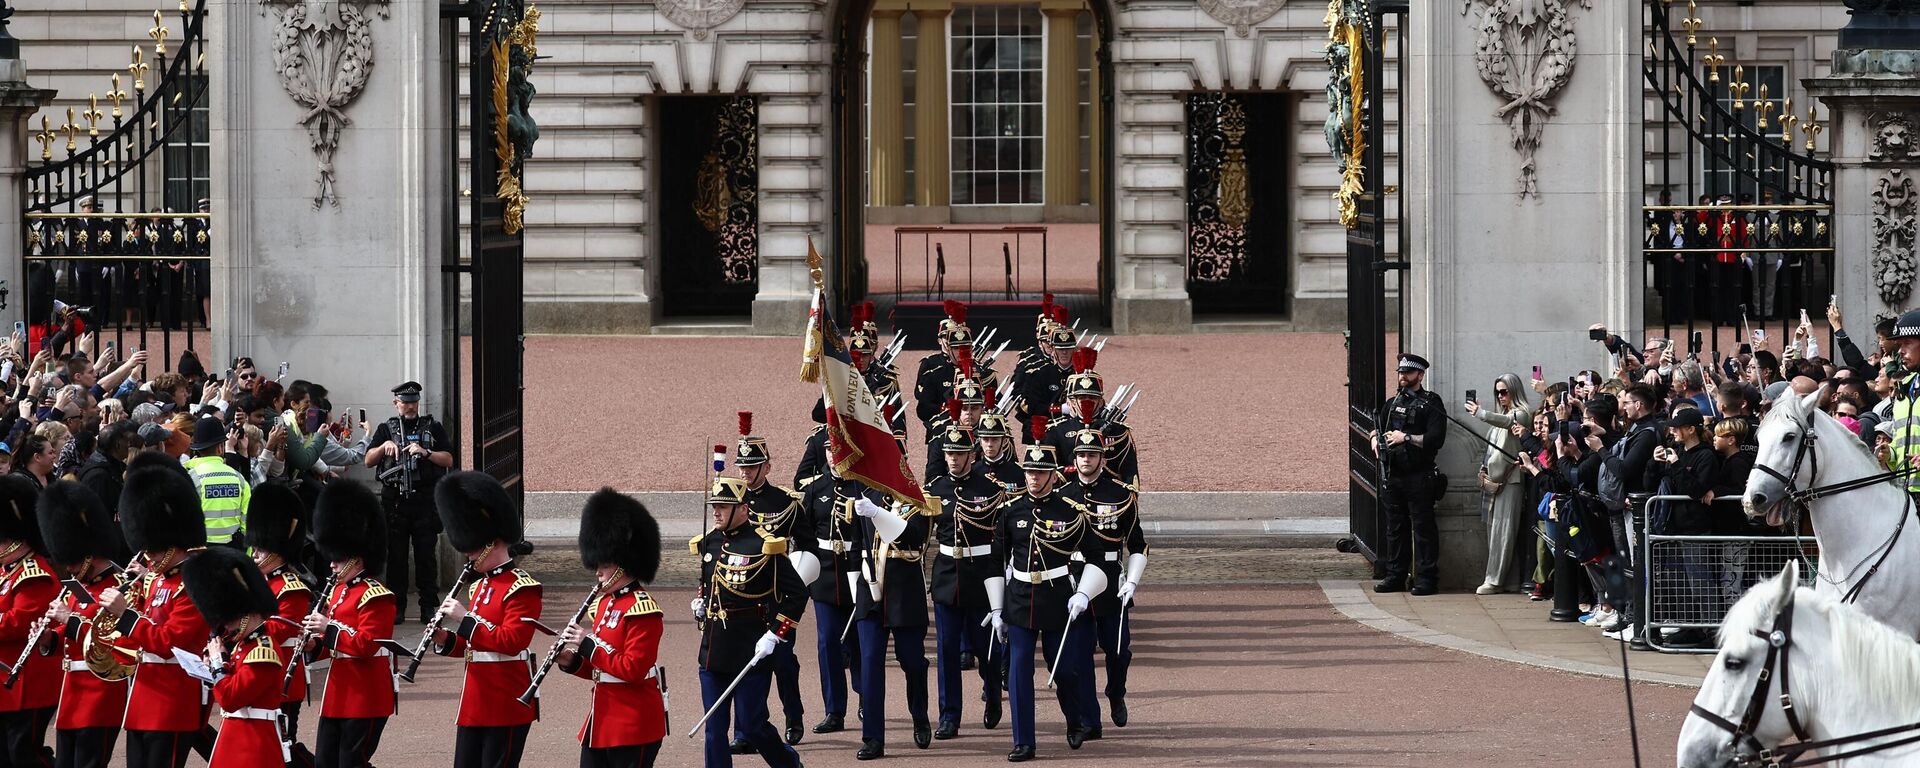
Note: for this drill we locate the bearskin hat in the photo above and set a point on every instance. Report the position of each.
(159, 507)
(616, 528)
(276, 520)
(76, 524)
(17, 521)
(348, 523)
(476, 509)
(225, 585)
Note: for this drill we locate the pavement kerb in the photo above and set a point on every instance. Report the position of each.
(1347, 598)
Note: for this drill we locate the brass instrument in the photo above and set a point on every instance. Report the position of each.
(426, 636)
(553, 654)
(103, 658)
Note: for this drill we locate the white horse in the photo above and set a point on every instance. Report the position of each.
(1866, 530)
(1844, 673)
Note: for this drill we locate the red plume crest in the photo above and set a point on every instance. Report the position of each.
(953, 410)
(965, 359)
(1087, 406)
(956, 311)
(746, 423)
(1039, 430)
(1060, 314)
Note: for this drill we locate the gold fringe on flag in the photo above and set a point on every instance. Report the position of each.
(811, 346)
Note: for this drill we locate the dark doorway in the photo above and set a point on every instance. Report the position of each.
(1237, 203)
(709, 211)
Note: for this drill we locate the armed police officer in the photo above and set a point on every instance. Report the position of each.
(411, 452)
(1413, 430)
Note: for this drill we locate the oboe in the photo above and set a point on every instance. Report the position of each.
(553, 654)
(426, 636)
(326, 590)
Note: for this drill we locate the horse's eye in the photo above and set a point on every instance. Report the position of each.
(1734, 663)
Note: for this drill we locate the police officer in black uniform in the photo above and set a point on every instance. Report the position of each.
(413, 525)
(963, 531)
(827, 503)
(751, 600)
(775, 511)
(1415, 429)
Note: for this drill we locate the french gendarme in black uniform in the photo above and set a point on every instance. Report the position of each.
(1047, 547)
(1411, 481)
(1113, 522)
(776, 511)
(1121, 461)
(890, 603)
(964, 532)
(1043, 380)
(1005, 468)
(827, 503)
(748, 592)
(964, 410)
(413, 525)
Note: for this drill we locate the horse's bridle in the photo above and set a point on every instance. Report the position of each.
(1795, 497)
(1748, 751)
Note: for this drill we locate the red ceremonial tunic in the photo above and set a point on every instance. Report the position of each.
(249, 699)
(295, 602)
(88, 701)
(360, 681)
(164, 698)
(501, 607)
(627, 708)
(27, 588)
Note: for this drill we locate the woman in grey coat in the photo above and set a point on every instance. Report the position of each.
(1505, 487)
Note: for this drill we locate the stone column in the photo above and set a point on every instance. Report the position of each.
(887, 158)
(1873, 96)
(1062, 169)
(18, 102)
(1499, 281)
(932, 182)
(348, 290)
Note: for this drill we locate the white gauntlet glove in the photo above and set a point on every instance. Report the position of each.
(698, 607)
(764, 647)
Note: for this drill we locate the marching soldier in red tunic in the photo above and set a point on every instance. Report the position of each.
(275, 527)
(350, 625)
(494, 626)
(27, 588)
(81, 536)
(619, 648)
(244, 658)
(160, 514)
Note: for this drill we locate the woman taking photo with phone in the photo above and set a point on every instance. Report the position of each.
(1505, 493)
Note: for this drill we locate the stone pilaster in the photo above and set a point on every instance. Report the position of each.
(932, 182)
(18, 102)
(1873, 97)
(887, 141)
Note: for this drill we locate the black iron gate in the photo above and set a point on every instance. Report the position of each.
(1237, 203)
(501, 38)
(709, 215)
(1363, 33)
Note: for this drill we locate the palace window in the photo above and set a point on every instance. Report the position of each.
(998, 110)
(1717, 178)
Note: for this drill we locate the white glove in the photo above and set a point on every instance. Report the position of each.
(999, 626)
(1076, 605)
(699, 607)
(1125, 593)
(866, 508)
(764, 647)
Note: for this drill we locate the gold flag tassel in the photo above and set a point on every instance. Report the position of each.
(810, 354)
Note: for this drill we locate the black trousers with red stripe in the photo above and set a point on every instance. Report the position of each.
(84, 747)
(489, 747)
(25, 735)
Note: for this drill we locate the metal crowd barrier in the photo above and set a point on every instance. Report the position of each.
(1691, 581)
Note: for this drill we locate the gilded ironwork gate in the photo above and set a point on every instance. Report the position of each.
(1361, 40)
(116, 220)
(1237, 198)
(501, 42)
(1740, 233)
(709, 213)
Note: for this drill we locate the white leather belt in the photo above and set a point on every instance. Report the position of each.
(1036, 577)
(490, 656)
(961, 553)
(1112, 556)
(835, 547)
(290, 642)
(602, 677)
(375, 655)
(252, 713)
(78, 665)
(152, 658)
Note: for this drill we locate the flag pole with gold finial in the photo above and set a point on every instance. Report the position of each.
(810, 355)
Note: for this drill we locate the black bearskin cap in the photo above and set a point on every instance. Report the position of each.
(276, 520)
(348, 523)
(617, 529)
(476, 509)
(76, 524)
(18, 496)
(225, 585)
(159, 507)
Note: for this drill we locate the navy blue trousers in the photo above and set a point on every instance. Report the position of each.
(1117, 644)
(829, 621)
(1073, 684)
(750, 698)
(957, 633)
(786, 680)
(910, 649)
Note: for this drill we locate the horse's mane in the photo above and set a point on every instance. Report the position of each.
(1877, 671)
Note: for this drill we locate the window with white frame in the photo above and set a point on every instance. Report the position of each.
(188, 158)
(998, 115)
(1717, 177)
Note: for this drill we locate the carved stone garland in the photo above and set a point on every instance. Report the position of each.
(1524, 51)
(700, 16)
(1893, 207)
(1241, 14)
(323, 53)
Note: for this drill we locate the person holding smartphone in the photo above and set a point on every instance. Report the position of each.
(411, 453)
(1685, 467)
(1506, 499)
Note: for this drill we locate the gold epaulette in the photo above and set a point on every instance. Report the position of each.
(808, 480)
(771, 544)
(290, 582)
(791, 493)
(932, 507)
(262, 653)
(521, 579)
(1133, 488)
(642, 606)
(374, 589)
(1077, 506)
(693, 544)
(30, 569)
(817, 429)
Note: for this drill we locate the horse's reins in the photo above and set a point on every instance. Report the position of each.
(1779, 649)
(1798, 498)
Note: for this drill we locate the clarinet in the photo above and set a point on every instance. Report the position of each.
(426, 635)
(33, 643)
(553, 654)
(326, 589)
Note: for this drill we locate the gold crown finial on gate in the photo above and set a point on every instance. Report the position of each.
(139, 70)
(159, 33)
(93, 115)
(1713, 59)
(1692, 22)
(116, 95)
(45, 137)
(1764, 107)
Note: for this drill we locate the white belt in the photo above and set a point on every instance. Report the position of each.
(965, 552)
(602, 677)
(252, 713)
(376, 654)
(78, 665)
(490, 656)
(154, 658)
(1112, 556)
(290, 642)
(1035, 577)
(836, 547)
